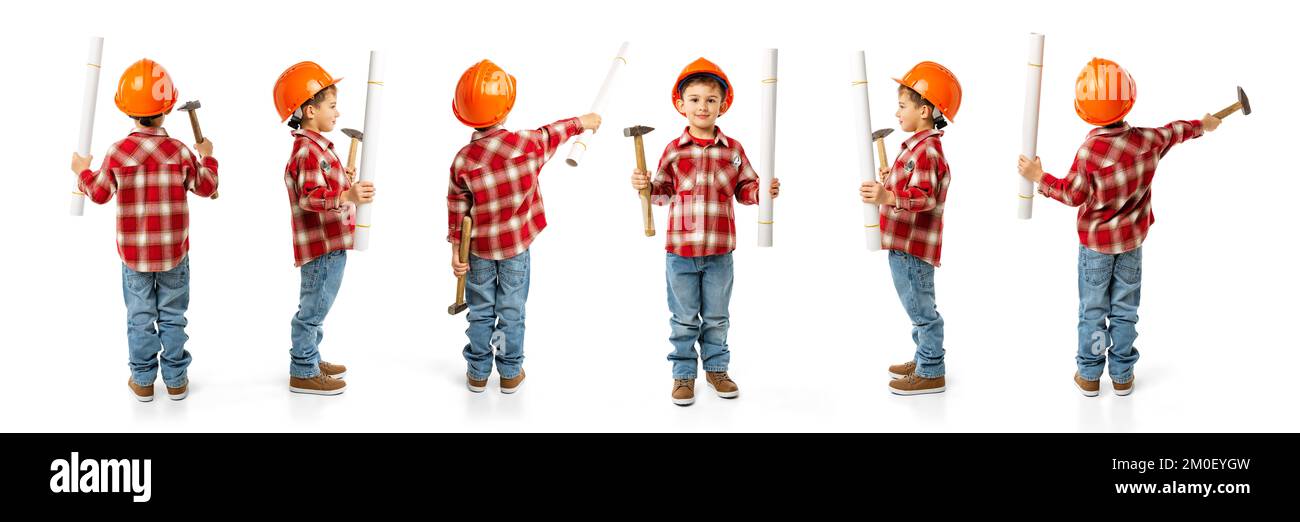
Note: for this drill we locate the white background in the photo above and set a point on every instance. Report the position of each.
(815, 320)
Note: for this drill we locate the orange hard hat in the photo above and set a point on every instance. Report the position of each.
(702, 67)
(145, 89)
(937, 85)
(297, 84)
(484, 95)
(1104, 92)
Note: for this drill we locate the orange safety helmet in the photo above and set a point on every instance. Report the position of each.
(937, 85)
(145, 89)
(702, 67)
(1104, 92)
(297, 84)
(484, 95)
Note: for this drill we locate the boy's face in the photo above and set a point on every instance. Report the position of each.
(323, 116)
(702, 103)
(911, 115)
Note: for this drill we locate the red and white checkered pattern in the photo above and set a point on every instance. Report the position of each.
(697, 180)
(314, 177)
(919, 180)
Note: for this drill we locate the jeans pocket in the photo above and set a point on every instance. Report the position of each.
(924, 275)
(1096, 276)
(139, 282)
(511, 278)
(1128, 274)
(482, 274)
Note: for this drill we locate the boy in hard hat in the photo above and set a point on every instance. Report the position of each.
(698, 175)
(494, 179)
(1110, 182)
(151, 175)
(911, 196)
(322, 203)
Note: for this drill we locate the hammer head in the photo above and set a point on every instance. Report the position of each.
(639, 130)
(190, 105)
(1245, 102)
(880, 134)
(457, 308)
(354, 134)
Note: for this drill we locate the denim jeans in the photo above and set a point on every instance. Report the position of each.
(1110, 287)
(321, 279)
(155, 319)
(699, 294)
(496, 292)
(914, 281)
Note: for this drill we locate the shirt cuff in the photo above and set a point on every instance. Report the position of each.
(1046, 183)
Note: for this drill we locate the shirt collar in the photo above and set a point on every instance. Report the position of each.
(719, 138)
(478, 135)
(322, 141)
(1109, 131)
(150, 131)
(911, 142)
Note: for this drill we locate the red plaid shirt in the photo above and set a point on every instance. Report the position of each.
(697, 182)
(919, 181)
(150, 173)
(1110, 182)
(322, 221)
(496, 178)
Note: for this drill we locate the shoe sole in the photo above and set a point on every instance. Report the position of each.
(509, 391)
(1123, 393)
(896, 376)
(684, 402)
(310, 391)
(339, 376)
(143, 398)
(908, 393)
(475, 389)
(179, 396)
(1087, 393)
(725, 395)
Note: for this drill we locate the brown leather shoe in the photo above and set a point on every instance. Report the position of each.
(512, 385)
(898, 371)
(142, 393)
(177, 394)
(722, 383)
(337, 371)
(321, 384)
(1125, 388)
(917, 385)
(1089, 388)
(683, 392)
(475, 385)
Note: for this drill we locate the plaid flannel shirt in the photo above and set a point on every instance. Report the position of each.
(697, 182)
(314, 177)
(919, 180)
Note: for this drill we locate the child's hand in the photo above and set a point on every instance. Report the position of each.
(1209, 122)
(884, 173)
(80, 163)
(363, 192)
(1031, 170)
(204, 148)
(640, 179)
(351, 172)
(590, 121)
(457, 268)
(876, 193)
(776, 188)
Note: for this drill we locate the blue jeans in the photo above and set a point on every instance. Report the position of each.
(699, 294)
(914, 281)
(155, 317)
(496, 292)
(321, 279)
(1110, 287)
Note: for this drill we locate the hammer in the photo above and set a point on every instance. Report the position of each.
(1243, 105)
(191, 108)
(357, 136)
(647, 215)
(879, 138)
(466, 225)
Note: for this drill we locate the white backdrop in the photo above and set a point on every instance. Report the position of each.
(815, 320)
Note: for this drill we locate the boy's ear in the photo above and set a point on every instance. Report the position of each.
(681, 104)
(722, 108)
(309, 112)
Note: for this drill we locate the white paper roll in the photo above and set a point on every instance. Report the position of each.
(373, 131)
(1029, 135)
(89, 94)
(767, 150)
(866, 152)
(602, 98)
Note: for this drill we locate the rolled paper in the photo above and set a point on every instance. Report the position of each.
(370, 148)
(866, 151)
(1029, 134)
(89, 93)
(602, 99)
(767, 150)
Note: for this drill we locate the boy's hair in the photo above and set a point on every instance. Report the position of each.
(939, 121)
(702, 78)
(148, 121)
(1116, 125)
(295, 121)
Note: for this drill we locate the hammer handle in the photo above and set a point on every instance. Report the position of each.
(198, 137)
(1228, 111)
(647, 215)
(466, 226)
(352, 155)
(880, 154)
